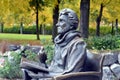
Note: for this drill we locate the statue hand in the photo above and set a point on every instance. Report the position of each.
(42, 55)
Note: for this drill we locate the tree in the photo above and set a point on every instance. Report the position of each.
(55, 19)
(98, 19)
(84, 19)
(114, 11)
(14, 15)
(3, 13)
(103, 4)
(37, 5)
(19, 12)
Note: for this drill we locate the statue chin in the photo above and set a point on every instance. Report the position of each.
(62, 31)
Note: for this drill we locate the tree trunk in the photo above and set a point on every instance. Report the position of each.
(21, 27)
(40, 28)
(116, 25)
(98, 20)
(112, 31)
(37, 29)
(55, 20)
(43, 29)
(1, 27)
(84, 19)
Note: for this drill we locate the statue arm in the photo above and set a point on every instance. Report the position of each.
(33, 67)
(76, 57)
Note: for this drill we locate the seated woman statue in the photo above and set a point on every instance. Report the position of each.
(69, 52)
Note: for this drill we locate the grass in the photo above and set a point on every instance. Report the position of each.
(23, 38)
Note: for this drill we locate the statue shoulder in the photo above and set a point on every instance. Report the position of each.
(79, 42)
(78, 39)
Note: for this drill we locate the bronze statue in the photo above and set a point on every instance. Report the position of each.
(70, 49)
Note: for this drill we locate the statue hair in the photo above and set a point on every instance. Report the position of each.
(72, 16)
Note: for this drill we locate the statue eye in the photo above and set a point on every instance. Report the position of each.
(70, 15)
(61, 20)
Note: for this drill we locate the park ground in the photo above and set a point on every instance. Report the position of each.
(21, 39)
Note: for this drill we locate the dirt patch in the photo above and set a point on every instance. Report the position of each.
(5, 43)
(31, 42)
(10, 79)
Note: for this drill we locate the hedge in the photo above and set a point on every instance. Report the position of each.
(27, 30)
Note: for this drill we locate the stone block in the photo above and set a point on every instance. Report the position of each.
(116, 70)
(13, 47)
(110, 58)
(119, 58)
(107, 74)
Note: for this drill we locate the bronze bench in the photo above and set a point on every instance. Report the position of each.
(93, 69)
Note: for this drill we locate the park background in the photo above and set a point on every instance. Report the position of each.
(33, 22)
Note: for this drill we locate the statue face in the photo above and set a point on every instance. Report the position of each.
(63, 24)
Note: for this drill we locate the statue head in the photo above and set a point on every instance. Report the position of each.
(67, 21)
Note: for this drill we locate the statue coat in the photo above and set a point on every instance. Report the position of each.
(70, 53)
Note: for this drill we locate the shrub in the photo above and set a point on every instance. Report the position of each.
(11, 69)
(104, 30)
(14, 29)
(48, 30)
(27, 30)
(49, 49)
(104, 43)
(31, 56)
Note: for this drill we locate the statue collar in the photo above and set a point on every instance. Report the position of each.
(66, 38)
